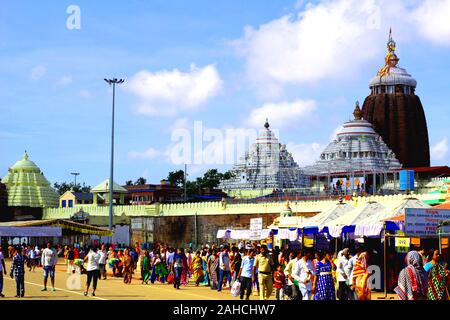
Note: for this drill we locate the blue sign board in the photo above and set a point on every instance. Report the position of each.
(406, 180)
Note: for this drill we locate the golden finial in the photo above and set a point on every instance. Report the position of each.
(25, 156)
(357, 112)
(266, 125)
(391, 60)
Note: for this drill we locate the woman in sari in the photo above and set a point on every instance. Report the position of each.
(323, 287)
(197, 264)
(206, 280)
(159, 269)
(186, 272)
(127, 267)
(412, 280)
(437, 278)
(212, 265)
(145, 267)
(360, 276)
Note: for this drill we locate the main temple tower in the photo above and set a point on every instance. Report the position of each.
(396, 112)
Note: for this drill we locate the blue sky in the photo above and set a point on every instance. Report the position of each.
(228, 64)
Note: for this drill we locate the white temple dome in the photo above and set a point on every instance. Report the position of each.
(395, 76)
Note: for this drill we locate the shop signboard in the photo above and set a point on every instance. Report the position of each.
(255, 228)
(424, 222)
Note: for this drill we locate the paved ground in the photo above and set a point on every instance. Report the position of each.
(111, 289)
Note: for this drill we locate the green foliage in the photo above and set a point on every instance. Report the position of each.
(64, 186)
(140, 181)
(176, 178)
(210, 179)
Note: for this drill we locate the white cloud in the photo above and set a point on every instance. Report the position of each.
(148, 154)
(328, 39)
(333, 39)
(281, 114)
(85, 94)
(432, 20)
(64, 80)
(38, 72)
(305, 153)
(166, 93)
(440, 150)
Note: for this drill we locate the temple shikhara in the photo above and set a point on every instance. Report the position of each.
(266, 165)
(356, 149)
(397, 113)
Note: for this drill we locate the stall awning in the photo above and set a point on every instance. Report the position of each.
(63, 224)
(6, 231)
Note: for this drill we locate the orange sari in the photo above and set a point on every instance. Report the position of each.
(360, 277)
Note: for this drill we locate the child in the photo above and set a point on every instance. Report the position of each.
(279, 283)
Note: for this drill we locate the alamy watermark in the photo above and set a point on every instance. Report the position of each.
(73, 21)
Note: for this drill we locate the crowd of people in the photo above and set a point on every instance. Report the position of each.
(242, 268)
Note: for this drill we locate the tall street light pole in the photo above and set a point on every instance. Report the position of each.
(112, 82)
(75, 174)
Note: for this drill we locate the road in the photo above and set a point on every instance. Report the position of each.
(110, 289)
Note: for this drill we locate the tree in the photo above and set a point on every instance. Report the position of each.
(64, 186)
(128, 183)
(212, 178)
(176, 178)
(140, 181)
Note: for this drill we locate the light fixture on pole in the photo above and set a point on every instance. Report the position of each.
(112, 82)
(75, 174)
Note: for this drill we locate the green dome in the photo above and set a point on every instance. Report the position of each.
(27, 186)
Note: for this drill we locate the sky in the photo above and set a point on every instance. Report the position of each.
(200, 75)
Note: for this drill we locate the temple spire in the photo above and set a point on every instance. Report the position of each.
(357, 112)
(267, 125)
(391, 59)
(25, 156)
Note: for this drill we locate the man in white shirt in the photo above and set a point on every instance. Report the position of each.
(102, 262)
(2, 271)
(49, 260)
(288, 271)
(303, 273)
(343, 274)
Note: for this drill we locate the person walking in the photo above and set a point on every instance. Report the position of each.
(49, 260)
(197, 264)
(2, 271)
(103, 255)
(224, 268)
(212, 266)
(264, 263)
(145, 267)
(128, 265)
(360, 276)
(92, 270)
(437, 277)
(323, 287)
(18, 272)
(236, 263)
(291, 290)
(304, 274)
(412, 280)
(245, 274)
(279, 283)
(177, 267)
(342, 275)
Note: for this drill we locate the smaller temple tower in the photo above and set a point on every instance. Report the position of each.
(357, 148)
(267, 165)
(28, 191)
